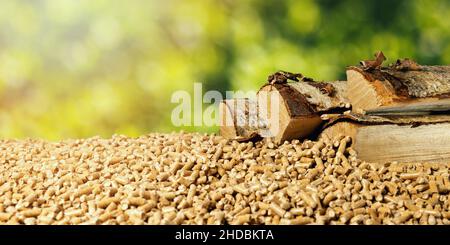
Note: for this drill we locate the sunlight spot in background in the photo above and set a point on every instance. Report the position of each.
(15, 68)
(106, 33)
(304, 16)
(75, 56)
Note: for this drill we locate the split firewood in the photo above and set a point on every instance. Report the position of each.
(398, 98)
(300, 105)
(394, 138)
(239, 119)
(401, 84)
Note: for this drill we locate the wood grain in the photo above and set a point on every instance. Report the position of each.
(388, 86)
(390, 142)
(386, 143)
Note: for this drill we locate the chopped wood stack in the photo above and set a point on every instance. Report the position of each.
(398, 113)
(282, 110)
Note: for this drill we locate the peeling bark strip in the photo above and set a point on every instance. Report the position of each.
(296, 102)
(374, 64)
(392, 119)
(281, 77)
(427, 108)
(401, 138)
(300, 106)
(404, 82)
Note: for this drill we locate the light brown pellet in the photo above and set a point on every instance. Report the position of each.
(277, 209)
(136, 201)
(31, 212)
(5, 216)
(409, 176)
(308, 199)
(106, 201)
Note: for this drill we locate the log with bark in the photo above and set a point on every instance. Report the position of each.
(300, 106)
(283, 110)
(403, 83)
(394, 138)
(400, 112)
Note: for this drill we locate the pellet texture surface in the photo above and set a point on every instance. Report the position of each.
(184, 178)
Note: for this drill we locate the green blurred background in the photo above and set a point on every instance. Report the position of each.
(78, 68)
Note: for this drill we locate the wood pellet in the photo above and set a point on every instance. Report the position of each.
(183, 178)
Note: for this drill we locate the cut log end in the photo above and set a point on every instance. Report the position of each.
(289, 114)
(238, 120)
(397, 86)
(365, 94)
(298, 107)
(386, 143)
(227, 126)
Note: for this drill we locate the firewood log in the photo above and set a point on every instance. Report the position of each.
(404, 83)
(300, 105)
(394, 138)
(239, 119)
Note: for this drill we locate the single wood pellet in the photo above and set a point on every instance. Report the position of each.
(185, 178)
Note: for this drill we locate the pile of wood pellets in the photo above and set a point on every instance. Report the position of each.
(183, 178)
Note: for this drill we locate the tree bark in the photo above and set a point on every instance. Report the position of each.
(398, 85)
(299, 105)
(395, 138)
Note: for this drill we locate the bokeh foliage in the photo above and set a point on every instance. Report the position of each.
(82, 68)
